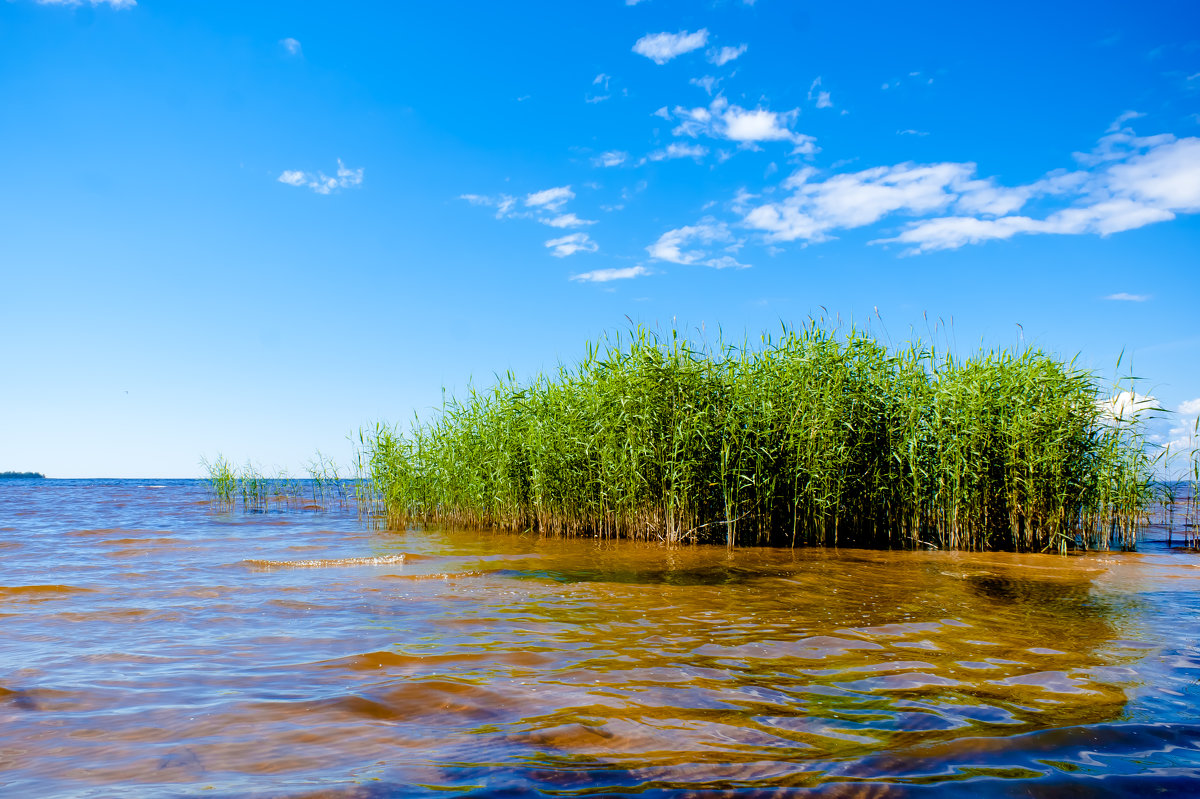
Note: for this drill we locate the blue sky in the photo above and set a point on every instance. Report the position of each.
(249, 229)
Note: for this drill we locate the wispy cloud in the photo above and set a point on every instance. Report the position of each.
(550, 199)
(566, 221)
(503, 203)
(723, 55)
(912, 132)
(546, 207)
(291, 45)
(693, 244)
(1120, 121)
(677, 150)
(1122, 296)
(662, 47)
(322, 183)
(114, 3)
(569, 245)
(611, 158)
(607, 275)
(816, 95)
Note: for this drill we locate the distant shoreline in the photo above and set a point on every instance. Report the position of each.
(22, 476)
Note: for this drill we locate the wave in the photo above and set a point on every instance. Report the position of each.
(325, 563)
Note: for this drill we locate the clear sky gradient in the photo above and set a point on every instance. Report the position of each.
(250, 228)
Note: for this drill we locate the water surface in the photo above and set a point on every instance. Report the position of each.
(153, 644)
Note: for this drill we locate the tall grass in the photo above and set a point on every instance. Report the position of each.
(807, 437)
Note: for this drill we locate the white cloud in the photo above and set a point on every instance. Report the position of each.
(757, 125)
(677, 150)
(698, 239)
(1167, 176)
(322, 183)
(1122, 296)
(662, 112)
(912, 132)
(723, 55)
(569, 245)
(606, 275)
(721, 120)
(1126, 406)
(662, 47)
(708, 83)
(602, 80)
(550, 199)
(567, 220)
(1133, 181)
(293, 177)
(948, 233)
(1142, 181)
(1183, 436)
(291, 45)
(611, 158)
(117, 4)
(856, 199)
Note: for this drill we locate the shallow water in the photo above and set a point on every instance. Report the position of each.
(152, 644)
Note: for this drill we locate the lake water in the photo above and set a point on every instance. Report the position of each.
(153, 644)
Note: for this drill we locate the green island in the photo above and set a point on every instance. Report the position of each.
(22, 476)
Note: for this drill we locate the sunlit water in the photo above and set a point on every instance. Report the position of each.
(152, 644)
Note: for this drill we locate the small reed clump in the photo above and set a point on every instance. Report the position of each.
(809, 438)
(258, 491)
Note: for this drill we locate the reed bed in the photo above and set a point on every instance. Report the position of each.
(808, 437)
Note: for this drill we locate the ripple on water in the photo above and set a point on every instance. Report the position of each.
(178, 646)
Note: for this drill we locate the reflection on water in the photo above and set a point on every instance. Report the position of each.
(153, 645)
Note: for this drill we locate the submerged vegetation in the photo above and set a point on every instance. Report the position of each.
(323, 486)
(810, 437)
(1179, 494)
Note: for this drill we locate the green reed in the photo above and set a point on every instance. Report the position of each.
(222, 480)
(325, 480)
(255, 488)
(807, 437)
